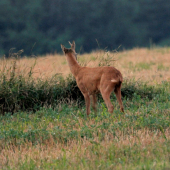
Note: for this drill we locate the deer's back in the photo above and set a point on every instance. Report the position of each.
(90, 79)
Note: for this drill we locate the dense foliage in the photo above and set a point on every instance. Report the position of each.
(20, 93)
(39, 27)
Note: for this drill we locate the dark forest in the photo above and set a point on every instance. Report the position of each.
(39, 27)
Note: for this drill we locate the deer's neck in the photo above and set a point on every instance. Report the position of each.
(73, 64)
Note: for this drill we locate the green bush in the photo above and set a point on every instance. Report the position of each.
(20, 93)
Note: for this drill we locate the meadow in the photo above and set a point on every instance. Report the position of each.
(57, 134)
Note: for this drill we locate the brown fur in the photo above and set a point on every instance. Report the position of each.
(93, 80)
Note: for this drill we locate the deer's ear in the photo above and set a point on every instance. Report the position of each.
(70, 43)
(73, 46)
(63, 48)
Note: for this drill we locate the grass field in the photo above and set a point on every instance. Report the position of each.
(64, 138)
(152, 65)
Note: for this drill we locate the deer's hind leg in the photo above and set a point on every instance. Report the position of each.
(118, 96)
(106, 91)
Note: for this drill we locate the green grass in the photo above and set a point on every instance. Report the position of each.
(64, 63)
(141, 66)
(137, 139)
(43, 125)
(161, 67)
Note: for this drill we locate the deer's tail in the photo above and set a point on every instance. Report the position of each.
(118, 80)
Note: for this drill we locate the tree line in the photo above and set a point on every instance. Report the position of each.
(40, 26)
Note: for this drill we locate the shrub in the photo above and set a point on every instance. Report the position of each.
(20, 92)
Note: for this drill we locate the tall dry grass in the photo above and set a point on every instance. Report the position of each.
(152, 65)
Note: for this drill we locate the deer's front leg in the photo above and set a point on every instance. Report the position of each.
(94, 102)
(87, 101)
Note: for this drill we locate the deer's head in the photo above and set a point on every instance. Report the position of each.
(69, 50)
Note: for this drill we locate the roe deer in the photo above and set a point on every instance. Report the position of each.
(93, 80)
